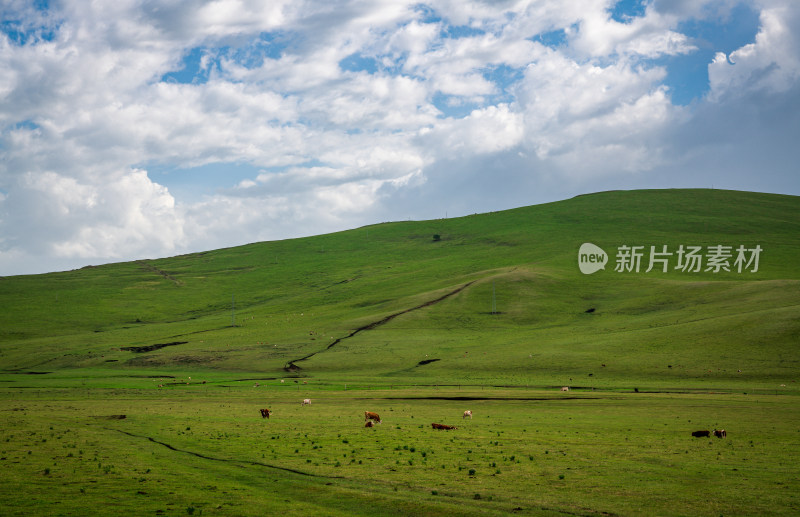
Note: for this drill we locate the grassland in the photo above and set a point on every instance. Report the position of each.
(492, 316)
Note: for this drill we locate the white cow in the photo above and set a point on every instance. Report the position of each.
(565, 388)
(467, 413)
(306, 401)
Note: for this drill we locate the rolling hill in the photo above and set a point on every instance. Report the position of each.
(494, 298)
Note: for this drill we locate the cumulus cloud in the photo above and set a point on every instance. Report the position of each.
(487, 130)
(64, 217)
(770, 64)
(358, 112)
(594, 119)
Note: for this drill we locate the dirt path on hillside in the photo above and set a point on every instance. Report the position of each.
(161, 272)
(291, 366)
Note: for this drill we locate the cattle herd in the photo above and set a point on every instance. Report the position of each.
(719, 433)
(370, 419)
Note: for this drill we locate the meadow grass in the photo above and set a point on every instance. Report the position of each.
(494, 316)
(542, 452)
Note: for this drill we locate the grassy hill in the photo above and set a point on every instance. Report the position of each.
(496, 298)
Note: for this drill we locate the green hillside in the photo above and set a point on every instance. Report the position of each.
(493, 298)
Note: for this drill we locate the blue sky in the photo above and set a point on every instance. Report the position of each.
(144, 129)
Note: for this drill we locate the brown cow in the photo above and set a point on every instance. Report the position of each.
(265, 413)
(720, 433)
(369, 415)
(700, 434)
(369, 424)
(443, 426)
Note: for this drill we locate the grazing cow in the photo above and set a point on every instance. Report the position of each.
(265, 413)
(565, 388)
(369, 424)
(369, 415)
(467, 413)
(443, 426)
(720, 433)
(700, 434)
(306, 401)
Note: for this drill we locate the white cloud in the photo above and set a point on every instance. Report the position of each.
(593, 119)
(488, 130)
(770, 64)
(455, 94)
(125, 213)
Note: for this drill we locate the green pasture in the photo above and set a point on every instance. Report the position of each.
(418, 320)
(206, 451)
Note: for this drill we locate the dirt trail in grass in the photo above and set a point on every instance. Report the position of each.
(291, 366)
(150, 267)
(226, 460)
